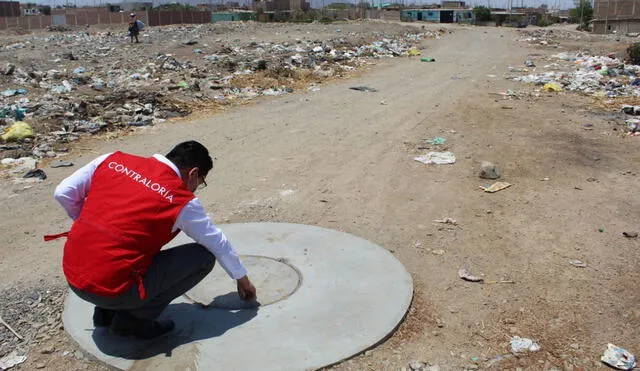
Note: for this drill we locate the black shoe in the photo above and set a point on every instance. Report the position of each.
(102, 317)
(124, 324)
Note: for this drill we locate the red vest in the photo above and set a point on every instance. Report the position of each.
(126, 219)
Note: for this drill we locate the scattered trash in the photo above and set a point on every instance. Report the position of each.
(577, 263)
(18, 131)
(631, 110)
(630, 234)
(61, 163)
(12, 92)
(619, 358)
(552, 87)
(427, 59)
(113, 86)
(413, 52)
(467, 276)
(446, 221)
(364, 88)
(438, 252)
(436, 141)
(416, 365)
(489, 170)
(633, 125)
(529, 64)
(36, 173)
(437, 158)
(495, 187)
(10, 360)
(9, 69)
(383, 103)
(519, 345)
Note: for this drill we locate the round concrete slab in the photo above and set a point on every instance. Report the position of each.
(323, 296)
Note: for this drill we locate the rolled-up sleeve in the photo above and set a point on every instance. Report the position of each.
(195, 223)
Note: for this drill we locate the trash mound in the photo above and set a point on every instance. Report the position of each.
(600, 76)
(88, 83)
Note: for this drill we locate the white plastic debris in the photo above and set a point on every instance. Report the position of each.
(578, 263)
(10, 360)
(446, 221)
(437, 158)
(467, 276)
(619, 358)
(519, 345)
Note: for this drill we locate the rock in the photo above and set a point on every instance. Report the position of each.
(189, 42)
(8, 70)
(630, 234)
(69, 56)
(416, 365)
(489, 170)
(61, 163)
(259, 65)
(40, 365)
(47, 350)
(432, 368)
(110, 115)
(78, 354)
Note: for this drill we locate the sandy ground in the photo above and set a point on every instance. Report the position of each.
(348, 159)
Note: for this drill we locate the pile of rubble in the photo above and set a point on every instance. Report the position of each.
(65, 85)
(604, 76)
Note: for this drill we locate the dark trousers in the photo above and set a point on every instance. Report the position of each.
(172, 273)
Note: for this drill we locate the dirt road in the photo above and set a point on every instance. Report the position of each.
(342, 159)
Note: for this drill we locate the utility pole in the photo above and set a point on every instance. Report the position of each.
(581, 13)
(606, 18)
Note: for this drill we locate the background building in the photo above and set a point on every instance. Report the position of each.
(9, 9)
(621, 16)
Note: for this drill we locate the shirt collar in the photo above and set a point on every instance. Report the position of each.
(166, 161)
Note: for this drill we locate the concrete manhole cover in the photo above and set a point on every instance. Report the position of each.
(273, 278)
(324, 296)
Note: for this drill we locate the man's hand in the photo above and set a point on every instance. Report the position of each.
(246, 290)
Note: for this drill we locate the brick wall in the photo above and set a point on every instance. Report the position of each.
(616, 9)
(79, 17)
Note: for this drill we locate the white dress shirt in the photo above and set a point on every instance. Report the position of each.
(192, 220)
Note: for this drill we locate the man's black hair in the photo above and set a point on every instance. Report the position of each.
(190, 154)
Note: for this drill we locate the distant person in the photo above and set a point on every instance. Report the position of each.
(135, 26)
(125, 208)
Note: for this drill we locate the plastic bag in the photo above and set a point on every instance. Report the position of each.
(18, 131)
